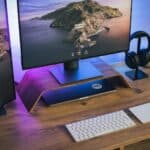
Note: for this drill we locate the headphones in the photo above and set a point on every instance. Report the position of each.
(142, 57)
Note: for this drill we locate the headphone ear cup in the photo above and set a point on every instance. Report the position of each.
(132, 60)
(143, 57)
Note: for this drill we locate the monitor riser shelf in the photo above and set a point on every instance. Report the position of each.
(37, 82)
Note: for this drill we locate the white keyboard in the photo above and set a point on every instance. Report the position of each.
(100, 125)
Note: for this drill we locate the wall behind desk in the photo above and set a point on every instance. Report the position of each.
(140, 21)
(141, 15)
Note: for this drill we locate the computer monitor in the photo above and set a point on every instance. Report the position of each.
(65, 31)
(7, 90)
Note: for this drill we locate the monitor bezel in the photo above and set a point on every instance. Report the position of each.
(24, 67)
(10, 57)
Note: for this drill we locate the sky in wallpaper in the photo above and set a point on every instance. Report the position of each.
(2, 14)
(31, 8)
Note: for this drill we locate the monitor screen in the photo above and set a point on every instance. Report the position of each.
(7, 90)
(55, 31)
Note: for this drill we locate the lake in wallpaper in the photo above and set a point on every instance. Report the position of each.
(43, 44)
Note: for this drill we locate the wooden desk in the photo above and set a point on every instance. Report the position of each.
(44, 128)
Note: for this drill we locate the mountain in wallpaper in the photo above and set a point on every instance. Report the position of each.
(83, 20)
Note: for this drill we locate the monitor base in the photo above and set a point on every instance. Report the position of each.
(136, 75)
(84, 70)
(2, 111)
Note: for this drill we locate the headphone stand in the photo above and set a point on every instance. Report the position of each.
(139, 58)
(136, 74)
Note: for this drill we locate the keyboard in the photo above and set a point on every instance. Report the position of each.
(97, 126)
(142, 112)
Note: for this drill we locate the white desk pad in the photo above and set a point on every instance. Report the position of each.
(142, 112)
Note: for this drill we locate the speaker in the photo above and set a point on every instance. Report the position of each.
(7, 89)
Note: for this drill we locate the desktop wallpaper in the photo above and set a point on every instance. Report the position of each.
(62, 30)
(6, 76)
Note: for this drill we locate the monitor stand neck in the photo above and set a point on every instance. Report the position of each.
(2, 111)
(74, 71)
(71, 65)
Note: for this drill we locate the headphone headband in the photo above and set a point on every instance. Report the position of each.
(139, 35)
